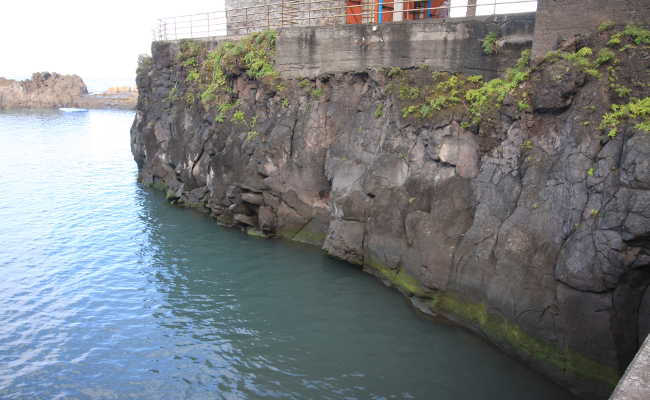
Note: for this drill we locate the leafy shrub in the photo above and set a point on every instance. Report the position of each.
(489, 43)
(636, 110)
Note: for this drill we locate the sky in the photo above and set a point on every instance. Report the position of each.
(98, 40)
(101, 40)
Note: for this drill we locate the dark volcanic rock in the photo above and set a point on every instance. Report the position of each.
(533, 230)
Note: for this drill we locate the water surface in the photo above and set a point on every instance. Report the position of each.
(108, 292)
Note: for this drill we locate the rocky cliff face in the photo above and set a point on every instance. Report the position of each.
(43, 90)
(519, 207)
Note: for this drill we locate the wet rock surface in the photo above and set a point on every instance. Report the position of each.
(533, 230)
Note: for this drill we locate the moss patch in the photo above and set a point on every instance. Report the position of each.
(398, 278)
(497, 327)
(309, 237)
(256, 233)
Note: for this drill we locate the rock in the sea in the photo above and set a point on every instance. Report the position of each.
(43, 90)
(52, 90)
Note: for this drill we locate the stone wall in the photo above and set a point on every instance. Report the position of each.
(452, 45)
(276, 14)
(561, 20)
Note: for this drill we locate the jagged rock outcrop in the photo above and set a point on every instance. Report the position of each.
(43, 90)
(531, 227)
(52, 90)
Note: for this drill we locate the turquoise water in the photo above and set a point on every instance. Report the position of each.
(108, 292)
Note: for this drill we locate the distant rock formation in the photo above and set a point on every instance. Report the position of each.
(43, 90)
(52, 90)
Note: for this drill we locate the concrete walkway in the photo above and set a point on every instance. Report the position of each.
(635, 384)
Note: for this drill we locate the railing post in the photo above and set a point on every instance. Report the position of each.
(268, 17)
(175, 30)
(208, 15)
(308, 12)
(471, 8)
(191, 30)
(246, 19)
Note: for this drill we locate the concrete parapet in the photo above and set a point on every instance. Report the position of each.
(452, 45)
(635, 384)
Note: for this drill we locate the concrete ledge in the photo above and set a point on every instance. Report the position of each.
(635, 384)
(452, 45)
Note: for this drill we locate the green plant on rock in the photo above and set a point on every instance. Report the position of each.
(523, 106)
(634, 33)
(527, 145)
(224, 109)
(172, 96)
(582, 60)
(208, 73)
(144, 63)
(193, 76)
(620, 90)
(316, 93)
(304, 83)
(408, 93)
(479, 99)
(379, 111)
(605, 26)
(605, 55)
(394, 72)
(637, 110)
(250, 135)
(238, 117)
(489, 43)
(190, 98)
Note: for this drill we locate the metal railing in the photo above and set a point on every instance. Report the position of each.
(282, 13)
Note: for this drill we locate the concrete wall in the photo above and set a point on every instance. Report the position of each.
(559, 20)
(452, 45)
(635, 384)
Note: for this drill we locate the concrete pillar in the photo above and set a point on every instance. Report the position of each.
(398, 15)
(471, 8)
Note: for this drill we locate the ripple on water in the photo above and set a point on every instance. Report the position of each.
(110, 293)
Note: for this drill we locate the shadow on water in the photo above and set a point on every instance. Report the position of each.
(278, 320)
